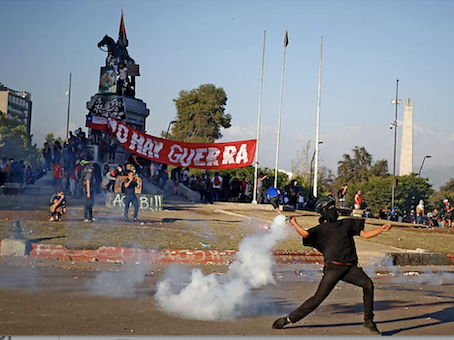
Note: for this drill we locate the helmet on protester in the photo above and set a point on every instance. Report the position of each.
(324, 203)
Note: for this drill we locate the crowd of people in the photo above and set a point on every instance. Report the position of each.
(213, 187)
(16, 172)
(442, 217)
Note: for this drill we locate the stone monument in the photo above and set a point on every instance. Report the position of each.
(117, 87)
(406, 154)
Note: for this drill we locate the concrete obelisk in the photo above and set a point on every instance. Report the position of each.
(406, 154)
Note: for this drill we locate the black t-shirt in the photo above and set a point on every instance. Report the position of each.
(131, 189)
(335, 240)
(176, 173)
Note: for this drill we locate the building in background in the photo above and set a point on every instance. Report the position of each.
(17, 105)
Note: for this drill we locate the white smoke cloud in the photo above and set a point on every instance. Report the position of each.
(123, 283)
(223, 297)
(401, 275)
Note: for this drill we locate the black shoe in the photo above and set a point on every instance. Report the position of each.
(369, 324)
(280, 323)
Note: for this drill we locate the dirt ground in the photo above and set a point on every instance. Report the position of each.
(48, 297)
(53, 298)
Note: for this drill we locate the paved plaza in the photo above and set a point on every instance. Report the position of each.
(45, 297)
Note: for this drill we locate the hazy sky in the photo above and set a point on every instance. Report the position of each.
(180, 45)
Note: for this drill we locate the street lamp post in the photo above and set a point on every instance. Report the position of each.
(422, 164)
(168, 128)
(394, 124)
(69, 106)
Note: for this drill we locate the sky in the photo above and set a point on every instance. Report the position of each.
(180, 45)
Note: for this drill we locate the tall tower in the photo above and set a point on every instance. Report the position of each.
(406, 154)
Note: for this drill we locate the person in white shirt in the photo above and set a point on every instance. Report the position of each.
(216, 185)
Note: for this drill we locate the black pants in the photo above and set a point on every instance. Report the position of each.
(259, 195)
(88, 208)
(332, 275)
(128, 200)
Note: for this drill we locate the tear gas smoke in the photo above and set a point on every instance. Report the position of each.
(223, 297)
(123, 283)
(395, 275)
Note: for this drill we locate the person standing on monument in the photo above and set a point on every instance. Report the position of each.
(334, 239)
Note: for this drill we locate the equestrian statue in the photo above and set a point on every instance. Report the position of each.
(119, 60)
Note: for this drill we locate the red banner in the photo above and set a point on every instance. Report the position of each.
(210, 156)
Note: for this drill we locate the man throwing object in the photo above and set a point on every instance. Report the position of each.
(334, 239)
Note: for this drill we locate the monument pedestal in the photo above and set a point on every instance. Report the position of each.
(12, 247)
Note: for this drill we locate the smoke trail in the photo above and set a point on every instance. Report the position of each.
(223, 297)
(395, 275)
(119, 284)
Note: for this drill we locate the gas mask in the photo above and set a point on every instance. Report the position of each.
(330, 215)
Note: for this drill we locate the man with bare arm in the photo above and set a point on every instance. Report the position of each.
(334, 239)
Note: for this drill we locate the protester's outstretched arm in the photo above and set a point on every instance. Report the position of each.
(299, 229)
(375, 232)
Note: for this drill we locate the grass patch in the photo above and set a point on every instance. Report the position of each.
(181, 227)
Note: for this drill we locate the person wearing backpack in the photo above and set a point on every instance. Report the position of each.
(216, 185)
(342, 194)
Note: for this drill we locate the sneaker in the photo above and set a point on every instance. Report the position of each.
(87, 220)
(372, 326)
(93, 219)
(280, 323)
(135, 219)
(51, 219)
(126, 219)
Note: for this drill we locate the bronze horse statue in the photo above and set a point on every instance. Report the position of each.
(118, 51)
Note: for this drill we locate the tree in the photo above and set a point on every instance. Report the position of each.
(359, 167)
(16, 143)
(380, 168)
(301, 165)
(446, 191)
(50, 139)
(200, 115)
(376, 192)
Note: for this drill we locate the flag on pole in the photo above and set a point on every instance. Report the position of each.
(285, 39)
(122, 33)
